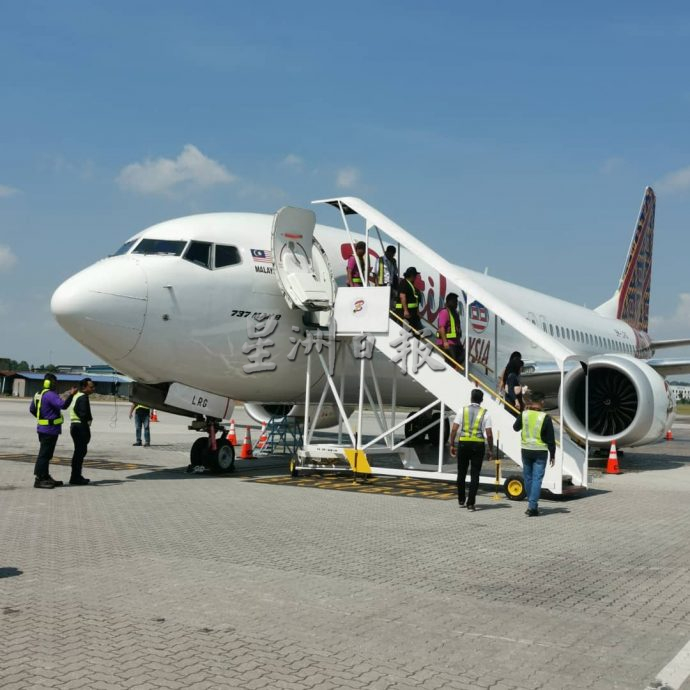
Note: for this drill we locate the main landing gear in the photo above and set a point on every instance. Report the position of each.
(213, 452)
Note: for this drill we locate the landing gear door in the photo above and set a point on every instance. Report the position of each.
(299, 262)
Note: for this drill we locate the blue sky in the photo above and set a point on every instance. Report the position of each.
(517, 137)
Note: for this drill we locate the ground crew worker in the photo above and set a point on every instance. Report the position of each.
(355, 265)
(80, 429)
(538, 443)
(142, 418)
(474, 424)
(387, 271)
(407, 305)
(449, 334)
(47, 407)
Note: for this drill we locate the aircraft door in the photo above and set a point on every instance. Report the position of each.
(299, 262)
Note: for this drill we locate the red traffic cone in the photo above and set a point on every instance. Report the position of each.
(263, 439)
(246, 450)
(154, 416)
(669, 435)
(612, 462)
(232, 436)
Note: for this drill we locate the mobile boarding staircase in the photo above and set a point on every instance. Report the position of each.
(361, 315)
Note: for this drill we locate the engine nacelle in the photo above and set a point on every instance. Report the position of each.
(263, 413)
(629, 403)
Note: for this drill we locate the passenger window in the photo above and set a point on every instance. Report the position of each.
(164, 247)
(226, 256)
(551, 329)
(199, 253)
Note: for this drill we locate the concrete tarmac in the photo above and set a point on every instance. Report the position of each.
(154, 578)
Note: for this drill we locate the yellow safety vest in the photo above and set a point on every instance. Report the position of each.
(472, 433)
(38, 399)
(532, 423)
(451, 333)
(382, 270)
(141, 407)
(410, 305)
(72, 414)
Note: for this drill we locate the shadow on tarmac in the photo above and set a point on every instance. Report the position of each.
(641, 462)
(10, 571)
(241, 472)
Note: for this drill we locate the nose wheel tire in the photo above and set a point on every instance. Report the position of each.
(514, 488)
(222, 460)
(197, 452)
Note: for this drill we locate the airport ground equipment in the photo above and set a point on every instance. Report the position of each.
(359, 319)
(283, 435)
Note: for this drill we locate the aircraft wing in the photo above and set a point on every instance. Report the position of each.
(667, 367)
(659, 344)
(547, 378)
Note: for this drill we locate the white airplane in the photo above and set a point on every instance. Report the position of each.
(199, 312)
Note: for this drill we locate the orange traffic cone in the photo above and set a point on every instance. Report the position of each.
(263, 439)
(669, 435)
(246, 451)
(232, 436)
(612, 463)
(154, 416)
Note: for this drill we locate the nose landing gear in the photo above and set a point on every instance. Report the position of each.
(214, 453)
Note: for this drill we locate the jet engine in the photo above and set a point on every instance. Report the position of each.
(328, 417)
(629, 403)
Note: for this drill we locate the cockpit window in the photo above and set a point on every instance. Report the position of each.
(124, 248)
(226, 256)
(199, 253)
(166, 247)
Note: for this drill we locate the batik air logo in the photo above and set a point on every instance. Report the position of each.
(433, 290)
(358, 306)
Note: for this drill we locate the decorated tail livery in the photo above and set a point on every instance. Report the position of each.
(633, 290)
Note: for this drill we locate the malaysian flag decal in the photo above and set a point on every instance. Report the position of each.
(262, 256)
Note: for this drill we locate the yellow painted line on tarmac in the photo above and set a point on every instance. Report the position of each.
(93, 464)
(388, 486)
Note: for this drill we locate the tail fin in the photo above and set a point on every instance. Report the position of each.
(631, 299)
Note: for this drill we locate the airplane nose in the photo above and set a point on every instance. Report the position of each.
(104, 306)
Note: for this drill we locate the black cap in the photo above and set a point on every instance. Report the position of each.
(411, 271)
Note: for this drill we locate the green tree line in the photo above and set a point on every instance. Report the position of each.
(8, 364)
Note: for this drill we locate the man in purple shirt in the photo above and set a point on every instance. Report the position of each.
(47, 407)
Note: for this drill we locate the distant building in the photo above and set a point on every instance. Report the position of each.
(25, 384)
(680, 391)
(6, 381)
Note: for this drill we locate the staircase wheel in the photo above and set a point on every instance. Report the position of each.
(514, 487)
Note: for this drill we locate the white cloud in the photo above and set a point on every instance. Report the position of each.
(162, 175)
(677, 325)
(347, 178)
(293, 161)
(677, 181)
(7, 258)
(612, 165)
(6, 191)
